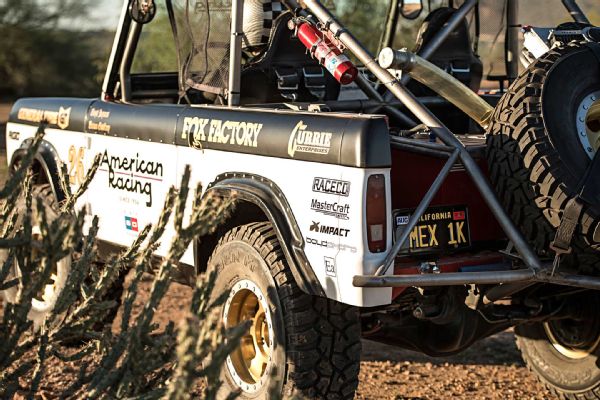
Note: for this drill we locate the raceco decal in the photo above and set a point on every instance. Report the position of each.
(305, 141)
(334, 209)
(329, 230)
(330, 245)
(132, 174)
(201, 130)
(331, 186)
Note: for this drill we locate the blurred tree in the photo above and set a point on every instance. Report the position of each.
(40, 55)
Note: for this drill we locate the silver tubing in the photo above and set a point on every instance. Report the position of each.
(445, 279)
(135, 31)
(512, 40)
(425, 116)
(414, 218)
(235, 52)
(575, 11)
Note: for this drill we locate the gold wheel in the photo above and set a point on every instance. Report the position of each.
(48, 292)
(249, 363)
(573, 339)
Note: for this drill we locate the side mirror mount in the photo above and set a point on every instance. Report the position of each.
(411, 9)
(142, 11)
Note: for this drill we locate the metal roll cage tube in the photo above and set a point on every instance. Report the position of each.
(453, 148)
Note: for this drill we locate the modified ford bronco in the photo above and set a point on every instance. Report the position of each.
(389, 197)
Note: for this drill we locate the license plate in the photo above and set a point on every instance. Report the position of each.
(440, 229)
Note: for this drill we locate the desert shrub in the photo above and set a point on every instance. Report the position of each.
(138, 361)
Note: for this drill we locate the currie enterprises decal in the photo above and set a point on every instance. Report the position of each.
(330, 245)
(329, 230)
(200, 130)
(331, 186)
(334, 209)
(305, 141)
(132, 174)
(59, 118)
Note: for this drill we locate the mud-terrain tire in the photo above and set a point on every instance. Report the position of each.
(535, 157)
(312, 344)
(39, 308)
(565, 354)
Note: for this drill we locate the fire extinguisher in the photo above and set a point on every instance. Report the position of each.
(327, 53)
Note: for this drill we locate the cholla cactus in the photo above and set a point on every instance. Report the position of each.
(138, 361)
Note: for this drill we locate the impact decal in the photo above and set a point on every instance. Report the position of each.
(199, 130)
(59, 118)
(75, 168)
(329, 230)
(132, 174)
(99, 126)
(331, 186)
(330, 245)
(333, 209)
(131, 224)
(330, 266)
(305, 141)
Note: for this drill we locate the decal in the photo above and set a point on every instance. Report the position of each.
(131, 224)
(331, 186)
(402, 219)
(59, 118)
(75, 168)
(99, 126)
(305, 141)
(132, 174)
(14, 135)
(329, 245)
(330, 266)
(334, 209)
(329, 230)
(200, 130)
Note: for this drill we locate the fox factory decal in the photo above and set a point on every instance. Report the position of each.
(329, 230)
(331, 186)
(334, 209)
(305, 141)
(132, 174)
(200, 130)
(60, 118)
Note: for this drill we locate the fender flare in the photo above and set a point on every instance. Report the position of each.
(49, 161)
(266, 195)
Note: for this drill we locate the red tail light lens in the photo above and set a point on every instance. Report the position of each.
(376, 214)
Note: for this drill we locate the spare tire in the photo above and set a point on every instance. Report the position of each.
(540, 143)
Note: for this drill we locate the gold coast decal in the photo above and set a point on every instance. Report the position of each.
(59, 118)
(303, 140)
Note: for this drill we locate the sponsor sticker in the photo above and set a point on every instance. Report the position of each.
(75, 167)
(402, 219)
(330, 245)
(333, 209)
(203, 130)
(331, 186)
(303, 140)
(330, 266)
(59, 118)
(131, 224)
(329, 230)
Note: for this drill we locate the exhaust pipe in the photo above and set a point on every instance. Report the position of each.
(439, 81)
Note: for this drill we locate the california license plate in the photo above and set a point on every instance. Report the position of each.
(440, 229)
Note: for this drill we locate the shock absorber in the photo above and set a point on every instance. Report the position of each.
(329, 55)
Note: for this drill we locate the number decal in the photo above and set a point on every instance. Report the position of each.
(76, 170)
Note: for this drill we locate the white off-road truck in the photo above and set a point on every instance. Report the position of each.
(359, 213)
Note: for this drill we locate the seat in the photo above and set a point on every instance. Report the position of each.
(285, 72)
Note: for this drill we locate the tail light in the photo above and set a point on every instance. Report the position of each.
(376, 214)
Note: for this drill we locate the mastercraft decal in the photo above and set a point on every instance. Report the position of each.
(329, 230)
(59, 118)
(334, 209)
(200, 130)
(132, 174)
(305, 141)
(131, 224)
(331, 186)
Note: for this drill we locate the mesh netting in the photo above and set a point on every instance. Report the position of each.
(203, 29)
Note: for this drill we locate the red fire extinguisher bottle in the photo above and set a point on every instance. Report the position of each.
(327, 53)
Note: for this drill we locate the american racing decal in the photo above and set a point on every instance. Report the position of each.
(330, 245)
(334, 209)
(132, 174)
(305, 141)
(200, 130)
(331, 186)
(131, 224)
(329, 230)
(330, 266)
(59, 118)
